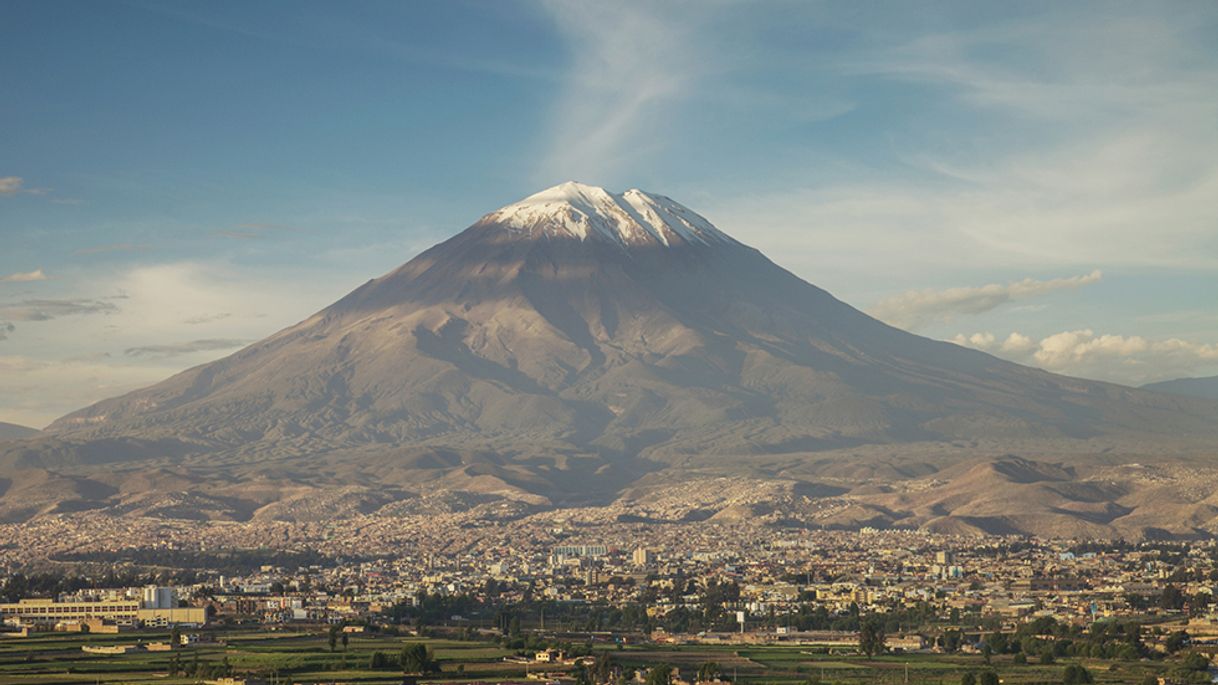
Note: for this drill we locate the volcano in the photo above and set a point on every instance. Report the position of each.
(570, 344)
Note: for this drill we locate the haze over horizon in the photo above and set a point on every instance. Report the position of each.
(180, 181)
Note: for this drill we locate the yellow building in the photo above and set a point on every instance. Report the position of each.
(124, 611)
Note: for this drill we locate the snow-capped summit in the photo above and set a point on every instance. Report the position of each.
(635, 217)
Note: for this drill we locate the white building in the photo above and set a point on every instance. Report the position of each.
(160, 597)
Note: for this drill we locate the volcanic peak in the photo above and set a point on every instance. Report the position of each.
(585, 212)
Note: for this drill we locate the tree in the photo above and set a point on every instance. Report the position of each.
(871, 636)
(416, 658)
(988, 678)
(709, 671)
(175, 637)
(659, 675)
(1172, 598)
(1196, 662)
(581, 674)
(333, 638)
(1020, 659)
(1076, 675)
(969, 678)
(345, 641)
(603, 667)
(1046, 656)
(378, 661)
(1176, 641)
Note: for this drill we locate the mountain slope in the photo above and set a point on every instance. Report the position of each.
(567, 345)
(11, 431)
(1206, 388)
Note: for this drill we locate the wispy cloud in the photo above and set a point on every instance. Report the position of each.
(1133, 360)
(235, 235)
(70, 368)
(26, 277)
(918, 308)
(206, 318)
(1068, 152)
(45, 310)
(255, 226)
(178, 349)
(112, 247)
(5, 329)
(10, 185)
(15, 185)
(251, 231)
(629, 65)
(37, 390)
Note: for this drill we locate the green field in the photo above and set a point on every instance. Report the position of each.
(293, 657)
(305, 657)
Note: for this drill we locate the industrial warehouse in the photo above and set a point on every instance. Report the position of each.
(157, 607)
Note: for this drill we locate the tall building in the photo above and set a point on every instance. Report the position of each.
(160, 597)
(592, 576)
(643, 557)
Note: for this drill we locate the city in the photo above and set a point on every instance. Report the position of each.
(546, 594)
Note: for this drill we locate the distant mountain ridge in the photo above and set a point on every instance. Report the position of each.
(575, 343)
(12, 431)
(1206, 388)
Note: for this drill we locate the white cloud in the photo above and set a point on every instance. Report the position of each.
(15, 185)
(140, 339)
(1133, 360)
(206, 318)
(1074, 205)
(980, 341)
(36, 391)
(1082, 146)
(26, 277)
(10, 185)
(47, 309)
(917, 308)
(112, 247)
(250, 231)
(1017, 344)
(178, 349)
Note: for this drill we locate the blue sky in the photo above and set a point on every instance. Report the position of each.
(177, 179)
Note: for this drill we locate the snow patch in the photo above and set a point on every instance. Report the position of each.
(635, 217)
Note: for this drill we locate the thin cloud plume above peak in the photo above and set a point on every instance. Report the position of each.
(630, 65)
